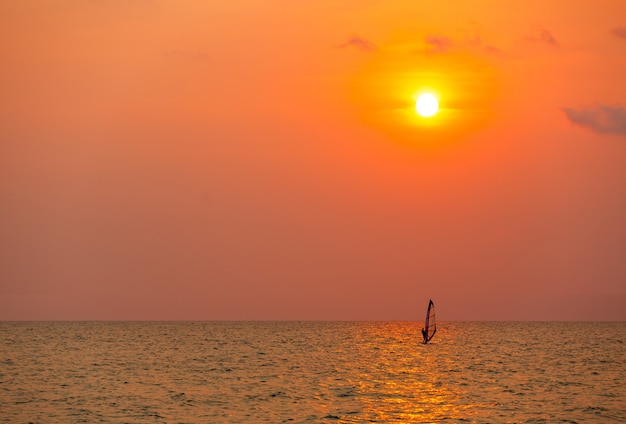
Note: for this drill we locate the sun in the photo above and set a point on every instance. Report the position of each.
(426, 105)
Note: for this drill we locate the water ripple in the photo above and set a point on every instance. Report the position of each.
(311, 372)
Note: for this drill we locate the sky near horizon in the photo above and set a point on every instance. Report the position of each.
(247, 160)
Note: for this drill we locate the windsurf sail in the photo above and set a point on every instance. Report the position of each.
(430, 325)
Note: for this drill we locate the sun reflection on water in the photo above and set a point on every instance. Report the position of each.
(413, 388)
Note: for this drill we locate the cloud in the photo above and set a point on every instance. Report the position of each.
(600, 119)
(438, 43)
(547, 37)
(544, 36)
(359, 43)
(494, 50)
(619, 32)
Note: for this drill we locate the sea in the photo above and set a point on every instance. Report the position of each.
(312, 372)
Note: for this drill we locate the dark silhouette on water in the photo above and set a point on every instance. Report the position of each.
(430, 325)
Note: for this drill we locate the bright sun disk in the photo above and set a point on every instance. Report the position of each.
(426, 105)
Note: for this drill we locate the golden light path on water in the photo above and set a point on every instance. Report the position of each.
(411, 390)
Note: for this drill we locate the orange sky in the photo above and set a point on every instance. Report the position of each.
(263, 160)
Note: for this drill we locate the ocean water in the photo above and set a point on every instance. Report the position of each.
(319, 372)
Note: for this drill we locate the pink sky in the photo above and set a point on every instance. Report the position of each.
(180, 160)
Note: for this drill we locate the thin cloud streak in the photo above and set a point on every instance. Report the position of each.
(439, 43)
(359, 44)
(493, 50)
(602, 119)
(545, 37)
(619, 32)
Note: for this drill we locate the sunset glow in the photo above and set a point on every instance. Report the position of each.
(196, 160)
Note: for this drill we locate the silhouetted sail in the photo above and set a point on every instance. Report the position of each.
(430, 325)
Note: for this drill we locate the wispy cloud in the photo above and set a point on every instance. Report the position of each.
(544, 36)
(359, 43)
(547, 37)
(493, 50)
(619, 32)
(600, 119)
(478, 37)
(438, 43)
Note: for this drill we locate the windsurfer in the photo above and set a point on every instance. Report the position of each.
(425, 335)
